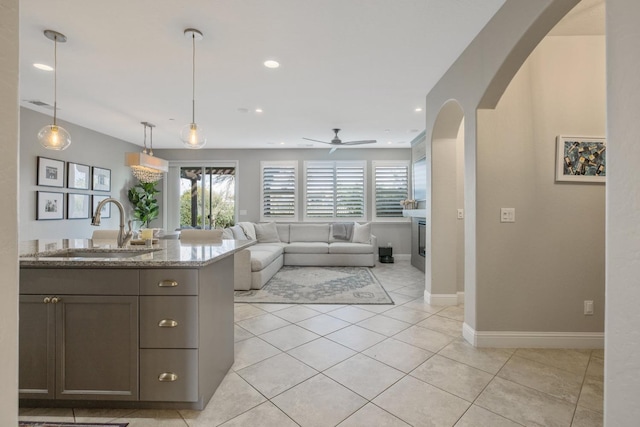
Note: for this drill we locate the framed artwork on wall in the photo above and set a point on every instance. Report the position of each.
(78, 176)
(50, 172)
(49, 205)
(106, 209)
(77, 206)
(101, 179)
(581, 159)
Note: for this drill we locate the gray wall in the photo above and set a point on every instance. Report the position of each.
(9, 214)
(248, 197)
(87, 147)
(534, 274)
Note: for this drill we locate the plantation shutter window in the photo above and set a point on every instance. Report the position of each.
(279, 191)
(335, 190)
(391, 186)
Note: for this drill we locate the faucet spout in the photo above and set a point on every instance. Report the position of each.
(123, 237)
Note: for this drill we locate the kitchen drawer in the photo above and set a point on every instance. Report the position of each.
(168, 322)
(78, 281)
(169, 375)
(169, 282)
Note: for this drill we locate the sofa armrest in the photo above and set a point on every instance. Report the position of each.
(242, 270)
(374, 242)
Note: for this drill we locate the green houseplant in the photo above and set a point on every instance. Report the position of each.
(145, 204)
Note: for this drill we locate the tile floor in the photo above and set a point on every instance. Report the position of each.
(379, 365)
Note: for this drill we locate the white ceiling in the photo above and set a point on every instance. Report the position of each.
(360, 65)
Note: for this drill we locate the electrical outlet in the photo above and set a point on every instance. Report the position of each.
(460, 213)
(507, 214)
(588, 308)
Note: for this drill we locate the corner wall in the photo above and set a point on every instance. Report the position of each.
(534, 274)
(9, 135)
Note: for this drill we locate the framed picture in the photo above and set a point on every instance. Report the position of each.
(78, 176)
(49, 205)
(101, 179)
(581, 159)
(106, 209)
(77, 206)
(50, 172)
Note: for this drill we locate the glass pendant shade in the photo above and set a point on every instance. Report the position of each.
(54, 137)
(192, 136)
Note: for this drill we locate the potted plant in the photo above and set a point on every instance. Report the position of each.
(145, 204)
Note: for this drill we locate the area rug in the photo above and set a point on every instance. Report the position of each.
(58, 424)
(319, 285)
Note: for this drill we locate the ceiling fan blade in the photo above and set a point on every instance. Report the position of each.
(315, 140)
(369, 141)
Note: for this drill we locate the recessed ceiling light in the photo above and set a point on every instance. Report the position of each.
(271, 63)
(43, 67)
(258, 110)
(282, 143)
(389, 142)
(418, 109)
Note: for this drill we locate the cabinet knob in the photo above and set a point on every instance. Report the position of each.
(167, 284)
(167, 377)
(46, 300)
(167, 323)
(55, 300)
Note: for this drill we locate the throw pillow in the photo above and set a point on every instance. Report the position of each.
(227, 234)
(361, 233)
(248, 229)
(267, 233)
(237, 232)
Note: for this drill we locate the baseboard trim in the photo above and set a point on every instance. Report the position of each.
(517, 339)
(440, 299)
(402, 257)
(460, 297)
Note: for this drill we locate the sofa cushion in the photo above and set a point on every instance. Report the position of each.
(262, 256)
(350, 248)
(361, 233)
(267, 233)
(307, 248)
(248, 229)
(309, 233)
(227, 234)
(283, 232)
(238, 233)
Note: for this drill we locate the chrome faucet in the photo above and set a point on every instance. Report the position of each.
(123, 238)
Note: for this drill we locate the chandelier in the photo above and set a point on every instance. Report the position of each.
(144, 165)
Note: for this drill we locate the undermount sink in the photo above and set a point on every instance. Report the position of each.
(99, 253)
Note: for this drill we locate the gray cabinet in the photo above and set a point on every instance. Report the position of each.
(78, 347)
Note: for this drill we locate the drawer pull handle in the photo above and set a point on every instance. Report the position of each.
(167, 377)
(167, 323)
(46, 300)
(167, 284)
(55, 300)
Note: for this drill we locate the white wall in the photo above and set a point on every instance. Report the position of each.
(535, 273)
(9, 134)
(622, 332)
(87, 147)
(460, 205)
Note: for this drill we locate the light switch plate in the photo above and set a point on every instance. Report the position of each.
(507, 214)
(460, 213)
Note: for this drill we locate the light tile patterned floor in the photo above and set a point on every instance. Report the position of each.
(393, 365)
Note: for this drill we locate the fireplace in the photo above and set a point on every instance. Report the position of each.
(422, 234)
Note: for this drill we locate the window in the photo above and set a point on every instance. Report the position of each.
(391, 185)
(335, 190)
(279, 192)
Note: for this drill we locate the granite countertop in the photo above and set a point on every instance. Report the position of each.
(163, 254)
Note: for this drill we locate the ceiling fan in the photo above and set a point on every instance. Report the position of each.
(337, 142)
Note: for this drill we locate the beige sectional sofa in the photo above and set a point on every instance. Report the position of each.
(298, 244)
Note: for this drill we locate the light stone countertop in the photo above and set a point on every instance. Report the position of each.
(53, 253)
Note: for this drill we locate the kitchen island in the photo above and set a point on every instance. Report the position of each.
(133, 327)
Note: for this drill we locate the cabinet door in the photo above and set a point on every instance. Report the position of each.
(37, 347)
(97, 347)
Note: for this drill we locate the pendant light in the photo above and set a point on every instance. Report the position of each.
(144, 165)
(54, 137)
(191, 134)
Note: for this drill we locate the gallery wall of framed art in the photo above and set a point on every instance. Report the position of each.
(83, 180)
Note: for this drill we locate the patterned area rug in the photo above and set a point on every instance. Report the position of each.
(58, 424)
(319, 285)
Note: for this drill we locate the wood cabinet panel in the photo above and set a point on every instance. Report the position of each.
(168, 322)
(169, 282)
